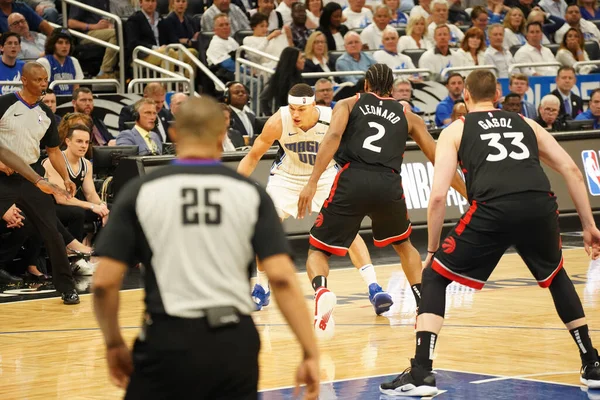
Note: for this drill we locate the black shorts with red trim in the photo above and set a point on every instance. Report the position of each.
(361, 190)
(527, 221)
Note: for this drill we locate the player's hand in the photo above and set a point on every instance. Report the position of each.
(70, 186)
(120, 365)
(7, 171)
(428, 260)
(591, 242)
(13, 217)
(51, 188)
(305, 199)
(308, 373)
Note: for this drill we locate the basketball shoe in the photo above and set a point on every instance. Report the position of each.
(260, 297)
(381, 300)
(415, 381)
(590, 375)
(324, 324)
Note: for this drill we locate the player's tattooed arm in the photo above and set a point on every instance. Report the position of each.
(270, 133)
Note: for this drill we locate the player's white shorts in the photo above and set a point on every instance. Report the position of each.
(285, 190)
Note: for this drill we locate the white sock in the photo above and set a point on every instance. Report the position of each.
(368, 274)
(262, 280)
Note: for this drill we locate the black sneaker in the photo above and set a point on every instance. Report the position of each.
(590, 375)
(414, 381)
(70, 297)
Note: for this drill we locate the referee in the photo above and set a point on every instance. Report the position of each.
(196, 226)
(25, 124)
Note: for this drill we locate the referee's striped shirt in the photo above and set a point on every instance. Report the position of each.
(196, 226)
(24, 127)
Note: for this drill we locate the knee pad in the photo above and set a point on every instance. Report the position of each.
(433, 293)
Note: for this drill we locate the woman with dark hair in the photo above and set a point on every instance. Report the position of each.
(330, 24)
(472, 49)
(572, 50)
(287, 73)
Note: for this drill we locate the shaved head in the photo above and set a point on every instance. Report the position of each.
(31, 67)
(200, 119)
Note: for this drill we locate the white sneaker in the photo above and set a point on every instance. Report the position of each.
(325, 302)
(82, 267)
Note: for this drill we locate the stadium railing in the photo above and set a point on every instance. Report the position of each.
(511, 68)
(111, 82)
(119, 47)
(143, 69)
(446, 71)
(183, 51)
(580, 64)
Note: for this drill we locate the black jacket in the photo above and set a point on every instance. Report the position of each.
(329, 37)
(576, 104)
(164, 116)
(138, 32)
(238, 125)
(170, 29)
(310, 66)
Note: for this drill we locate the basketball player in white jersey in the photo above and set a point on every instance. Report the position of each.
(299, 128)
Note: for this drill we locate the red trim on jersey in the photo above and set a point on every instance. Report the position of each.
(521, 115)
(338, 251)
(382, 98)
(334, 186)
(393, 239)
(464, 221)
(548, 281)
(462, 119)
(463, 280)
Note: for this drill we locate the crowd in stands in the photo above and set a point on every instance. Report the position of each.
(322, 36)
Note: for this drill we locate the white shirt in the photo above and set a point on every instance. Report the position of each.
(312, 18)
(589, 29)
(342, 3)
(529, 54)
(465, 59)
(501, 59)
(371, 36)
(407, 42)
(286, 13)
(394, 61)
(356, 20)
(456, 35)
(436, 62)
(153, 22)
(273, 47)
(513, 39)
(566, 58)
(219, 49)
(339, 41)
(417, 11)
(244, 118)
(555, 8)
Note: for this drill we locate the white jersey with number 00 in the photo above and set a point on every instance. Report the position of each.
(300, 147)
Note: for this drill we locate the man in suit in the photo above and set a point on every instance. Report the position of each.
(142, 30)
(570, 103)
(141, 135)
(157, 93)
(83, 102)
(242, 118)
(519, 84)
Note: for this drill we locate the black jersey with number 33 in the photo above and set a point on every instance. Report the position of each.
(376, 133)
(499, 156)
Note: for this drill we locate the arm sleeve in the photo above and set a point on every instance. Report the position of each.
(78, 70)
(120, 237)
(51, 137)
(269, 238)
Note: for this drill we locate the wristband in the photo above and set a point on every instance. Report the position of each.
(431, 252)
(38, 179)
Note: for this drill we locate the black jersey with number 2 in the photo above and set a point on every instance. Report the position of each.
(499, 156)
(376, 133)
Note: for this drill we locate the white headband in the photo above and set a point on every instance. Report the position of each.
(300, 101)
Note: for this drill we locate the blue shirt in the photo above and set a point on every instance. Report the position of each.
(61, 72)
(347, 63)
(11, 73)
(443, 111)
(588, 115)
(30, 15)
(400, 20)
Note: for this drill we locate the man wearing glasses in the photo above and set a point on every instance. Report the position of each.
(324, 93)
(36, 22)
(548, 113)
(32, 43)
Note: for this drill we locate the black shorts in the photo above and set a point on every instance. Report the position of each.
(528, 221)
(361, 190)
(185, 359)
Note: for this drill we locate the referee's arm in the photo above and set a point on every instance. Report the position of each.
(272, 249)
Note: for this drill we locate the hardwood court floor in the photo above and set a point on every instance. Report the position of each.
(51, 351)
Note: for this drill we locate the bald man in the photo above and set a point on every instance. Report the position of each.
(157, 92)
(353, 59)
(32, 43)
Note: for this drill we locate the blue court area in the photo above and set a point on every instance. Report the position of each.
(452, 385)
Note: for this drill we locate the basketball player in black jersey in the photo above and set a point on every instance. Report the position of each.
(369, 133)
(511, 204)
